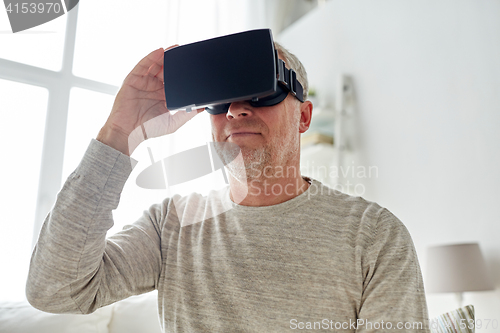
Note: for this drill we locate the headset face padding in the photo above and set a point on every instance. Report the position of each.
(276, 98)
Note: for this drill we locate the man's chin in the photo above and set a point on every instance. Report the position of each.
(250, 140)
(255, 155)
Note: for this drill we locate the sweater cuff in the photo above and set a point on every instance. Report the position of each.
(105, 167)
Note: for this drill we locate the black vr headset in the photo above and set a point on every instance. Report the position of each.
(216, 72)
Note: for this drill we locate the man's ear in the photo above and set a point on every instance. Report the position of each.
(305, 116)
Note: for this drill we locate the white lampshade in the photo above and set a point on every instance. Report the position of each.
(456, 268)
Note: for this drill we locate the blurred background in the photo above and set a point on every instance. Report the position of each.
(416, 129)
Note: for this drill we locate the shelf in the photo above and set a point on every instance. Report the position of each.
(314, 138)
(322, 121)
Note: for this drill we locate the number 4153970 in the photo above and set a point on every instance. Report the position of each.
(26, 7)
(478, 323)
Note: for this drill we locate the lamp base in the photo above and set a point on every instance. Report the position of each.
(460, 299)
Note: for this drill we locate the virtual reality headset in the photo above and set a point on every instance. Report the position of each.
(216, 72)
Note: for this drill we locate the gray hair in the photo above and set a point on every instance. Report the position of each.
(294, 63)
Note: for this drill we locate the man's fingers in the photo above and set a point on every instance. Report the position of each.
(155, 62)
(167, 123)
(156, 69)
(143, 66)
(181, 117)
(171, 47)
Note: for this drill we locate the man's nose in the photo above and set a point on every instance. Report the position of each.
(238, 110)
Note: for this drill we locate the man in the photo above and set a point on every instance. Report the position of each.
(289, 253)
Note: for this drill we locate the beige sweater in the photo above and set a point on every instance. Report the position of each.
(323, 261)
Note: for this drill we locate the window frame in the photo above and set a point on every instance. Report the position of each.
(59, 85)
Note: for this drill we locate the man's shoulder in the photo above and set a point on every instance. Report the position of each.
(329, 197)
(355, 209)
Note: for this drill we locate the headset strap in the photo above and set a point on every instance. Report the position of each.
(288, 78)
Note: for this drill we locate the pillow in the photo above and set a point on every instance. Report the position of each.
(459, 320)
(136, 314)
(21, 317)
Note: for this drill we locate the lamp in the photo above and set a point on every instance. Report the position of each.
(456, 269)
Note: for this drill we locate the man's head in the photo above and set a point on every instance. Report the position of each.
(268, 136)
(291, 61)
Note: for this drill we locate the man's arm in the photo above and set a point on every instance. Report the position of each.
(393, 291)
(73, 268)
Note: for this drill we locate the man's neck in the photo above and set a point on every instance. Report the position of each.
(272, 187)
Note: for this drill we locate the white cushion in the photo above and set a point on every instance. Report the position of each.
(136, 314)
(21, 317)
(461, 320)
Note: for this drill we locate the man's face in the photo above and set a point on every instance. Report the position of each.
(266, 135)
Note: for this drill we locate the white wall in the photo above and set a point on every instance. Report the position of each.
(427, 80)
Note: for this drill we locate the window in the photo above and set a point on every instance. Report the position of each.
(58, 82)
(87, 113)
(24, 109)
(40, 46)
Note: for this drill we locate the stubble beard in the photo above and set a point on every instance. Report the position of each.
(259, 163)
(253, 160)
(263, 162)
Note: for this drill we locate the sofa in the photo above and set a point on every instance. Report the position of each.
(137, 314)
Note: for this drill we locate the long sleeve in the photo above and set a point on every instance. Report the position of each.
(74, 268)
(393, 293)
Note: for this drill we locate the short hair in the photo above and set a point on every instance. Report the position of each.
(294, 63)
